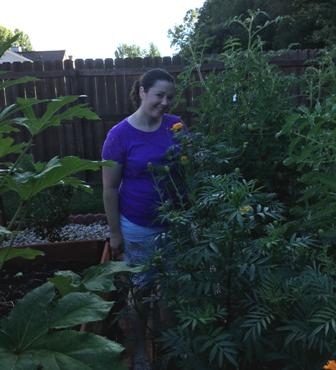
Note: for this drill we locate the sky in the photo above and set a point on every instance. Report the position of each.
(94, 29)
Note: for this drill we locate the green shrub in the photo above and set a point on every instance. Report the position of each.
(49, 209)
(250, 284)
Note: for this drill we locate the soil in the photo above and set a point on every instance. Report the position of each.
(14, 283)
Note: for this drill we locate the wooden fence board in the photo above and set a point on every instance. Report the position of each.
(120, 87)
(39, 147)
(111, 96)
(107, 85)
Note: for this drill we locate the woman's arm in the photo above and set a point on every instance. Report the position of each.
(111, 183)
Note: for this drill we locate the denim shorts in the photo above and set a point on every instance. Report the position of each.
(140, 245)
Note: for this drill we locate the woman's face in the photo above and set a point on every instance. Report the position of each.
(157, 100)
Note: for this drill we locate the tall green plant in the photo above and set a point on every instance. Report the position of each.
(37, 334)
(39, 331)
(244, 106)
(250, 287)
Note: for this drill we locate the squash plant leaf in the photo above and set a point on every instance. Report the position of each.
(57, 111)
(7, 254)
(18, 81)
(78, 351)
(100, 278)
(29, 319)
(27, 338)
(7, 146)
(76, 308)
(55, 172)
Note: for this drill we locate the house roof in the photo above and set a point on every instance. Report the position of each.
(11, 57)
(44, 56)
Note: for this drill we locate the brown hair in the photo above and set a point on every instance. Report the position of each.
(147, 80)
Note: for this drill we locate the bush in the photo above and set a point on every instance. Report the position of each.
(251, 285)
(49, 210)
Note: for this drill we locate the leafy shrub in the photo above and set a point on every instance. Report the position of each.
(36, 333)
(49, 210)
(251, 285)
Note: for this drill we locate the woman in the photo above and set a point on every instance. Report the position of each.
(130, 196)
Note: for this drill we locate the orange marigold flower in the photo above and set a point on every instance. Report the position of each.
(245, 209)
(330, 365)
(177, 126)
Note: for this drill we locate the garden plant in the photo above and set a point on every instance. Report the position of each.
(252, 282)
(39, 332)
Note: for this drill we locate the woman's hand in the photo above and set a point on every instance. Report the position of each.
(116, 244)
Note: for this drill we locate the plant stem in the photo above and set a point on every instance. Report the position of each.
(16, 163)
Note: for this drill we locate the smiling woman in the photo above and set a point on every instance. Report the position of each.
(131, 198)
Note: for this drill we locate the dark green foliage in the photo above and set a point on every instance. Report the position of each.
(251, 102)
(22, 39)
(252, 283)
(312, 152)
(49, 209)
(305, 23)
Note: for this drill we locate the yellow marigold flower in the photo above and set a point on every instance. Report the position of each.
(177, 126)
(330, 365)
(245, 209)
(184, 159)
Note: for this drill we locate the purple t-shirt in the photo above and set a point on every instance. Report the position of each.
(133, 148)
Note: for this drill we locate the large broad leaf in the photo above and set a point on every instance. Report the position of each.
(65, 350)
(7, 254)
(97, 278)
(27, 343)
(78, 308)
(18, 81)
(6, 128)
(12, 361)
(29, 319)
(52, 115)
(70, 348)
(100, 277)
(67, 282)
(55, 172)
(7, 146)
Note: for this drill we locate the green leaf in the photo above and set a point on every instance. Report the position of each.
(29, 319)
(55, 172)
(26, 342)
(6, 111)
(78, 308)
(100, 277)
(66, 282)
(17, 81)
(71, 349)
(6, 128)
(7, 44)
(51, 117)
(7, 254)
(12, 361)
(7, 147)
(65, 350)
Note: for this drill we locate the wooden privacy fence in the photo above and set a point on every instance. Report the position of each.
(106, 85)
